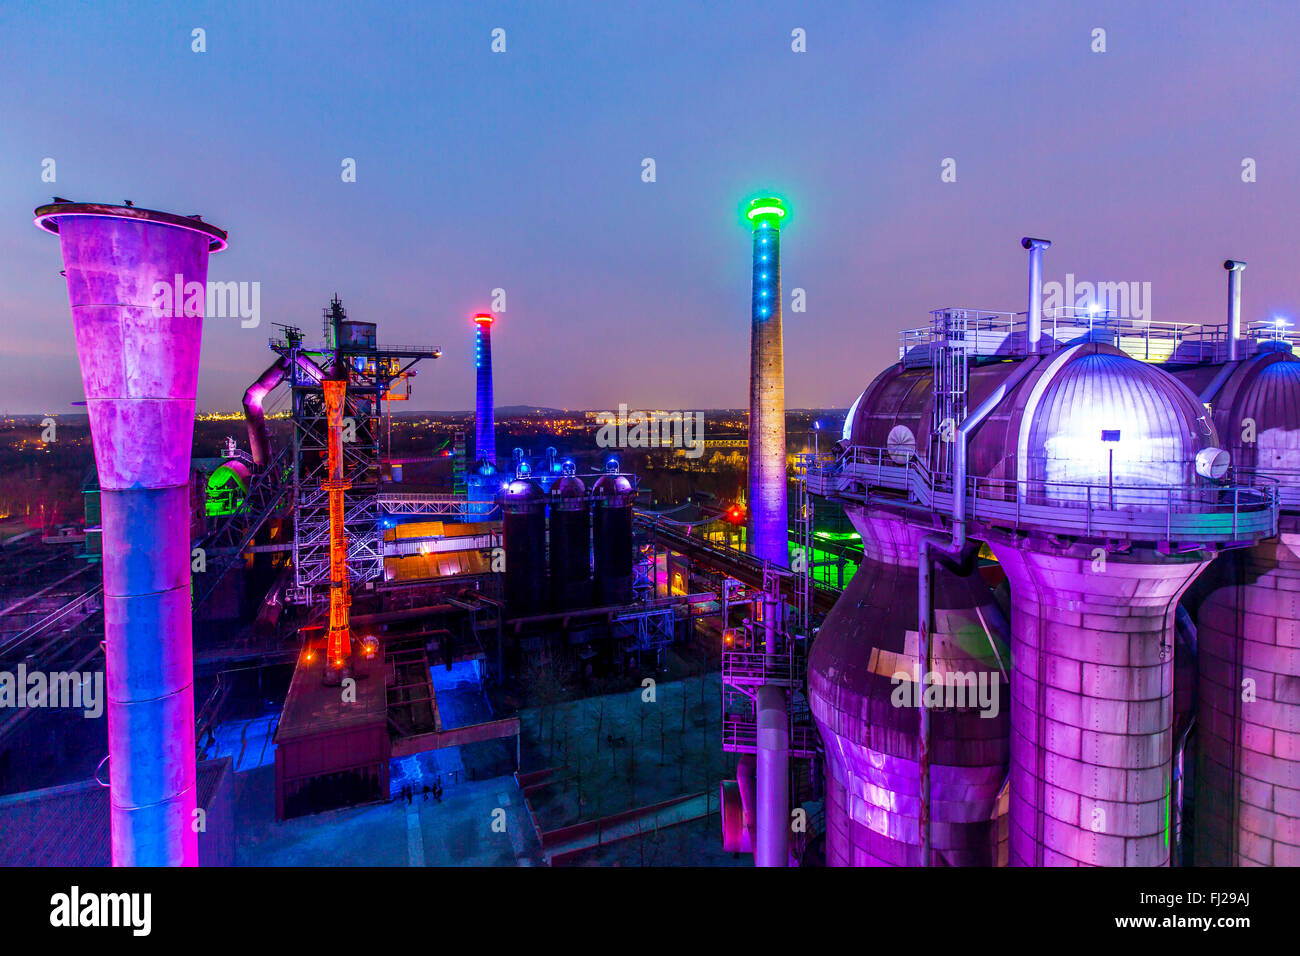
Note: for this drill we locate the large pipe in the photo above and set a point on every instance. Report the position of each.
(137, 282)
(259, 439)
(1035, 247)
(1235, 268)
(772, 847)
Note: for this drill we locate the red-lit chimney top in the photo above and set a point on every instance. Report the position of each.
(483, 318)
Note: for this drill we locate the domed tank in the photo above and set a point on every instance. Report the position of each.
(1107, 429)
(1087, 428)
(524, 505)
(869, 720)
(570, 541)
(1092, 633)
(612, 537)
(1247, 780)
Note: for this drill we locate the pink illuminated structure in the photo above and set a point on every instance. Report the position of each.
(139, 355)
(1097, 481)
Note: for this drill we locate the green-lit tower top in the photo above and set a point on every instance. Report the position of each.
(766, 211)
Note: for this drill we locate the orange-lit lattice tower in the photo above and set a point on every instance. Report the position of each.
(338, 644)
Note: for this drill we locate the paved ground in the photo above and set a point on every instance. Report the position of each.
(610, 753)
(458, 831)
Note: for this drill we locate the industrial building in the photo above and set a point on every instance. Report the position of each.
(1128, 483)
(1066, 637)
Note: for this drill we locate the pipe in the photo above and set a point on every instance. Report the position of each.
(259, 439)
(773, 763)
(1035, 247)
(745, 784)
(135, 280)
(1211, 391)
(1235, 268)
(953, 547)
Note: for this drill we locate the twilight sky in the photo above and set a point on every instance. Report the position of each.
(523, 171)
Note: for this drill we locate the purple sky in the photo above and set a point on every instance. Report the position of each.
(522, 171)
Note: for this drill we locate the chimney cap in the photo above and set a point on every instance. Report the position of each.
(1029, 242)
(1234, 265)
(47, 218)
(766, 209)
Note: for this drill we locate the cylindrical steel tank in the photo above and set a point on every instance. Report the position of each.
(570, 542)
(1091, 623)
(612, 538)
(1248, 635)
(1092, 634)
(868, 720)
(524, 507)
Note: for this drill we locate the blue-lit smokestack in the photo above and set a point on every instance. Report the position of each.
(767, 501)
(485, 441)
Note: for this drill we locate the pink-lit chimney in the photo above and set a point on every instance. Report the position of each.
(139, 355)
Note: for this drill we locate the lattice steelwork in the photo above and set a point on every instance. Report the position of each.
(371, 372)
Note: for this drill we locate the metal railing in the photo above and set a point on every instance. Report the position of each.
(988, 333)
(1208, 512)
(76, 610)
(740, 736)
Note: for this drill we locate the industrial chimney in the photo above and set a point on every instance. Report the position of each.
(483, 483)
(769, 529)
(137, 284)
(485, 441)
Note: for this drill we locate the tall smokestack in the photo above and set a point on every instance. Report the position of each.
(485, 441)
(137, 284)
(1235, 268)
(769, 529)
(769, 532)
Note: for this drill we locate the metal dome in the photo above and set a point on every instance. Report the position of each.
(1258, 415)
(1103, 419)
(612, 486)
(523, 490)
(569, 486)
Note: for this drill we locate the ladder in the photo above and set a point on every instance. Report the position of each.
(948, 350)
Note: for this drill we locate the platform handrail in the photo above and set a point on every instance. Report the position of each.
(1212, 512)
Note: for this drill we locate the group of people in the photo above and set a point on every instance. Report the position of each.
(408, 792)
